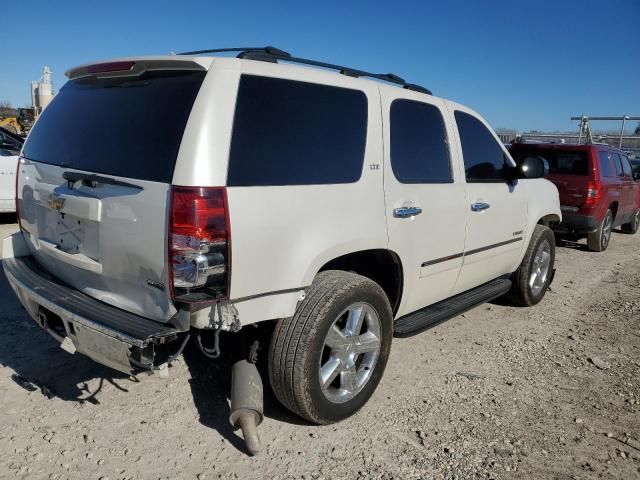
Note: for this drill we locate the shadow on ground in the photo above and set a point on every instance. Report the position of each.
(38, 361)
(211, 382)
(572, 244)
(40, 364)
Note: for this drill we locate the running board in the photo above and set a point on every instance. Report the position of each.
(421, 320)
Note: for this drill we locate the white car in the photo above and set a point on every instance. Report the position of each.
(196, 194)
(10, 146)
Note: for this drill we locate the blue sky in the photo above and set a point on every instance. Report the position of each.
(521, 64)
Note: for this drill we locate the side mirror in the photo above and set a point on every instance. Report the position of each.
(532, 167)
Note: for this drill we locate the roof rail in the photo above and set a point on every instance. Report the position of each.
(272, 54)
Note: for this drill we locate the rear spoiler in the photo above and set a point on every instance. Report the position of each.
(133, 67)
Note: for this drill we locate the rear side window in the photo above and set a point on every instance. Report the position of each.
(484, 159)
(606, 167)
(419, 150)
(618, 164)
(287, 132)
(626, 166)
(125, 126)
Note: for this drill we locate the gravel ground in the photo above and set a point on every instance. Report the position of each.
(499, 392)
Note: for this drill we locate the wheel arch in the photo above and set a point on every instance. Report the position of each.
(549, 219)
(381, 265)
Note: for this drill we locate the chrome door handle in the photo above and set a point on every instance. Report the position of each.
(479, 206)
(406, 212)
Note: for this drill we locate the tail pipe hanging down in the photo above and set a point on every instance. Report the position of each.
(246, 402)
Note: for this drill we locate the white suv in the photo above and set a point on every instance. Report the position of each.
(10, 146)
(163, 197)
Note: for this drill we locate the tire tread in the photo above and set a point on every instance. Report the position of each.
(519, 293)
(292, 337)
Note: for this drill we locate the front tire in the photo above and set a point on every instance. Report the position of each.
(326, 361)
(532, 279)
(598, 241)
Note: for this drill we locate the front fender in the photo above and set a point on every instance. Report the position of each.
(543, 205)
(544, 202)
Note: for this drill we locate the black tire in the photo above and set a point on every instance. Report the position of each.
(297, 345)
(632, 227)
(599, 240)
(521, 293)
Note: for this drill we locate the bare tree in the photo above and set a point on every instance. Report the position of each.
(5, 104)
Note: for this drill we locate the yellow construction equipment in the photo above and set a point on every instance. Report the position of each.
(11, 124)
(19, 124)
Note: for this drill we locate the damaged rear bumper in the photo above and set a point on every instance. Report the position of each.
(108, 335)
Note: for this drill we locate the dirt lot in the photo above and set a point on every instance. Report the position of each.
(500, 392)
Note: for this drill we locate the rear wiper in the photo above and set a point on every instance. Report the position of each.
(91, 180)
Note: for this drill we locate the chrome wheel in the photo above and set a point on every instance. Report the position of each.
(540, 268)
(350, 352)
(636, 220)
(606, 231)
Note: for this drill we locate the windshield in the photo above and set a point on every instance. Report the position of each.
(128, 127)
(10, 145)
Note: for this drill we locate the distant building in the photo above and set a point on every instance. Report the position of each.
(42, 91)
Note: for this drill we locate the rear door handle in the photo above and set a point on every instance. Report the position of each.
(406, 212)
(479, 206)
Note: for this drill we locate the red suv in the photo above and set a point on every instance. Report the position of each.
(598, 189)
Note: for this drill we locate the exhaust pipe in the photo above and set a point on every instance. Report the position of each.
(246, 403)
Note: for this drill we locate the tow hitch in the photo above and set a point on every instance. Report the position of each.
(246, 400)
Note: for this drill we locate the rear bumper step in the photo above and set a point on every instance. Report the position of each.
(110, 336)
(439, 312)
(576, 223)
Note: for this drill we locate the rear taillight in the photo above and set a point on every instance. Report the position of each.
(199, 244)
(594, 191)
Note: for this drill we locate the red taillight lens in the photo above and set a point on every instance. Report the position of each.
(110, 67)
(594, 191)
(199, 244)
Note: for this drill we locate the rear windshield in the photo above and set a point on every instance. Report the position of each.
(127, 127)
(564, 162)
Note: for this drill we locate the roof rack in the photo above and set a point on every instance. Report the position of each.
(272, 54)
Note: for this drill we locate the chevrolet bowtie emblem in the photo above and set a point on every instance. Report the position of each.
(56, 202)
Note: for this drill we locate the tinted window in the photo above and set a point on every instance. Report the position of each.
(484, 159)
(419, 150)
(626, 167)
(606, 167)
(129, 127)
(564, 162)
(618, 164)
(295, 133)
(9, 145)
(569, 163)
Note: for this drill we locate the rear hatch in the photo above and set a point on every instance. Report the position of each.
(95, 177)
(570, 170)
